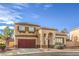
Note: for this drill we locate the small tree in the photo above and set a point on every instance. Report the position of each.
(1, 36)
(7, 34)
(64, 30)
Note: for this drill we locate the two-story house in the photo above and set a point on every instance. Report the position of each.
(33, 36)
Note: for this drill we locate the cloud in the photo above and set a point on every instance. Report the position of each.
(35, 16)
(22, 4)
(11, 27)
(8, 15)
(46, 6)
(2, 27)
(37, 4)
(10, 22)
(2, 7)
(18, 7)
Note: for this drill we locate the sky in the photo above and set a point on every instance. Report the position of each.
(51, 15)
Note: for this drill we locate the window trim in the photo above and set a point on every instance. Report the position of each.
(22, 31)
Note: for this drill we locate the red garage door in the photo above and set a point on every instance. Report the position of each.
(26, 43)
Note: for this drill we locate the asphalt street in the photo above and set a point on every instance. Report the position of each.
(52, 54)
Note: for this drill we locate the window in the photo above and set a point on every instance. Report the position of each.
(31, 29)
(59, 40)
(22, 28)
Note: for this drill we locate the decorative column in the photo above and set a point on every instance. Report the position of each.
(46, 40)
(51, 40)
(54, 38)
(65, 40)
(41, 38)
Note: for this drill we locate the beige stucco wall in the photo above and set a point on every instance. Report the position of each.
(73, 42)
(26, 33)
(73, 33)
(41, 38)
(70, 44)
(47, 33)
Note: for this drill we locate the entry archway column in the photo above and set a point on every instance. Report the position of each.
(46, 40)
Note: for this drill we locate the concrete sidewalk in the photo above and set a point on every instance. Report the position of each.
(62, 50)
(31, 51)
(20, 51)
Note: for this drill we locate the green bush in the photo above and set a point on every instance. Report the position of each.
(2, 46)
(51, 46)
(59, 46)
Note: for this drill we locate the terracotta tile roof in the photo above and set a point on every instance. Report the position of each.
(24, 23)
(49, 28)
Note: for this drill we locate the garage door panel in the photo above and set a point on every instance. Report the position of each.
(26, 43)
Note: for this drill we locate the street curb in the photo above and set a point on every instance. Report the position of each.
(25, 53)
(41, 52)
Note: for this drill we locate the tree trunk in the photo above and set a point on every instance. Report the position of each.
(7, 43)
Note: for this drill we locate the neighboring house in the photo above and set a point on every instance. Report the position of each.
(74, 38)
(74, 34)
(33, 36)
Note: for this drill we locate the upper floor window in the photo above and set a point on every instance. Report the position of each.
(22, 28)
(31, 29)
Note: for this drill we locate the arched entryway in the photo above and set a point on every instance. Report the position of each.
(50, 41)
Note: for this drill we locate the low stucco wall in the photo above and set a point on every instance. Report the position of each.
(70, 44)
(11, 44)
